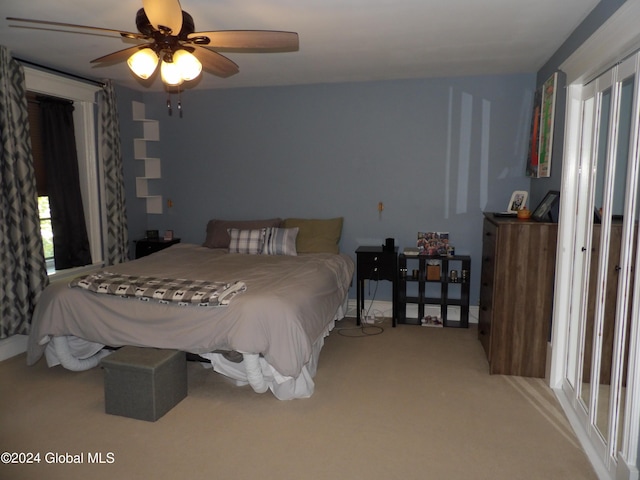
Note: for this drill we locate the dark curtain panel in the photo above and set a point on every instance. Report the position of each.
(70, 239)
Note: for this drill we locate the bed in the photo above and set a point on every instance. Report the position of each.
(278, 291)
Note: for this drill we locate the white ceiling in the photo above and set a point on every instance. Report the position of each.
(340, 41)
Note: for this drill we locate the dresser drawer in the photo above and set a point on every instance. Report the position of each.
(376, 266)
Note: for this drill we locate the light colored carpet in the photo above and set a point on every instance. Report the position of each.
(411, 403)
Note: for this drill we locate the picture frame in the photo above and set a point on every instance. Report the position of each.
(542, 212)
(433, 243)
(168, 235)
(597, 217)
(518, 200)
(542, 125)
(534, 136)
(547, 120)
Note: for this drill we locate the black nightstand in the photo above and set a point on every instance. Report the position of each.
(374, 263)
(147, 246)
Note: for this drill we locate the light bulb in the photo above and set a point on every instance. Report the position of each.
(171, 74)
(188, 64)
(143, 63)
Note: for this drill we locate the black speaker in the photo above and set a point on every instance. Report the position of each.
(389, 245)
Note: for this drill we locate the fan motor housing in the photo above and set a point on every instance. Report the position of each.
(144, 25)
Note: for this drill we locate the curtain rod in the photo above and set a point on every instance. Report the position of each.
(79, 77)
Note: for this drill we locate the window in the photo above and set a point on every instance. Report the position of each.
(46, 230)
(83, 96)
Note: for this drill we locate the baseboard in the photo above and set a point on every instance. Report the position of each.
(382, 308)
(626, 470)
(12, 346)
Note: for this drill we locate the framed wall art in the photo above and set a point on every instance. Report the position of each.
(542, 122)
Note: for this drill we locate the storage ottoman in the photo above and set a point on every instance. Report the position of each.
(144, 383)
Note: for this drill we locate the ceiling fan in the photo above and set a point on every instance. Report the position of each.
(168, 37)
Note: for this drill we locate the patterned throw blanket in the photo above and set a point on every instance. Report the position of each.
(164, 290)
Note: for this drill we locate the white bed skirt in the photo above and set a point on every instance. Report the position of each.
(76, 354)
(255, 371)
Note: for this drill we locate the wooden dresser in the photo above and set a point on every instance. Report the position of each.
(516, 294)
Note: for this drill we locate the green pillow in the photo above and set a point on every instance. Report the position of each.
(316, 235)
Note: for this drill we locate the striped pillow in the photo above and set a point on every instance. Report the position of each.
(246, 241)
(280, 241)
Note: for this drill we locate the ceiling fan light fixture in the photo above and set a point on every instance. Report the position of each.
(171, 40)
(143, 63)
(170, 73)
(189, 66)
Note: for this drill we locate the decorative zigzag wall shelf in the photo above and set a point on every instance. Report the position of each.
(152, 171)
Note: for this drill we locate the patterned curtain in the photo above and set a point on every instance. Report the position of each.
(117, 239)
(23, 271)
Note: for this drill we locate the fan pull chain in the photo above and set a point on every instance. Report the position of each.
(180, 102)
(169, 104)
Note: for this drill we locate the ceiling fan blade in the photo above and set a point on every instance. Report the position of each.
(120, 55)
(249, 41)
(73, 25)
(215, 63)
(164, 13)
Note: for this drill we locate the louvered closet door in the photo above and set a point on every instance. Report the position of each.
(604, 265)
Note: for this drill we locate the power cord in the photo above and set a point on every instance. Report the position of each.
(366, 329)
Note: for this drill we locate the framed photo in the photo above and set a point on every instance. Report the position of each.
(597, 217)
(542, 212)
(518, 201)
(433, 243)
(168, 235)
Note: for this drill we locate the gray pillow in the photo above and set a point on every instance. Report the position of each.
(218, 235)
(280, 241)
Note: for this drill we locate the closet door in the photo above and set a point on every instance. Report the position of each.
(604, 256)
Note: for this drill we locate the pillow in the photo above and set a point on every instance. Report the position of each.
(280, 241)
(218, 236)
(246, 241)
(316, 235)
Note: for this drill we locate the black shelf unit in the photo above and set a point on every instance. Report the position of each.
(442, 283)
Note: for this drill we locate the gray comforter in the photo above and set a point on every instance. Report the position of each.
(288, 304)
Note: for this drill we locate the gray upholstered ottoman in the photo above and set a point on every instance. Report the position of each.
(144, 383)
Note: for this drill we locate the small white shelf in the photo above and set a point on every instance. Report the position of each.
(152, 167)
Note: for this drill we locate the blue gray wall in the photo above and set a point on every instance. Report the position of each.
(436, 152)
